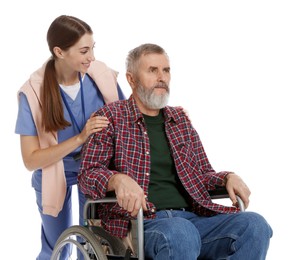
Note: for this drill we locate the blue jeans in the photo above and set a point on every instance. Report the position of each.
(177, 235)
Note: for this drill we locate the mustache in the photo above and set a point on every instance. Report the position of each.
(162, 85)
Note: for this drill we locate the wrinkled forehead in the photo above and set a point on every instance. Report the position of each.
(154, 60)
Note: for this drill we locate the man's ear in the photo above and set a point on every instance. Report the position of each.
(130, 79)
(58, 52)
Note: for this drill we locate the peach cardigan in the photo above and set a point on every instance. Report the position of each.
(53, 177)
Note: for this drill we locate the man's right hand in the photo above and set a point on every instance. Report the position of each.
(130, 196)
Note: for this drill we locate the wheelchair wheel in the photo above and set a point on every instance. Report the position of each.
(83, 239)
(111, 245)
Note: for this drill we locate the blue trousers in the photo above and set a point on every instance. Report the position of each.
(51, 227)
(176, 235)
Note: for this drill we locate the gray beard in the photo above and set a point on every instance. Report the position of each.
(150, 99)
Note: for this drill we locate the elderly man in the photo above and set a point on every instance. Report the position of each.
(151, 157)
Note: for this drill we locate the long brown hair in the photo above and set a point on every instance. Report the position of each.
(64, 32)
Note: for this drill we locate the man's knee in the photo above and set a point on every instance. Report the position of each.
(177, 237)
(257, 224)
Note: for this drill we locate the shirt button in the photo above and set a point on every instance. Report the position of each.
(152, 210)
(145, 133)
(147, 152)
(147, 174)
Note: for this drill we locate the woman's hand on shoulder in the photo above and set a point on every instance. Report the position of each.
(94, 124)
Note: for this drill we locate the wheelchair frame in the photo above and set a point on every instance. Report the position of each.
(90, 241)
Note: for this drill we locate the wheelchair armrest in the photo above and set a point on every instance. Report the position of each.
(220, 192)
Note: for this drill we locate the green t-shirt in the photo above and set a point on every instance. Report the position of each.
(165, 188)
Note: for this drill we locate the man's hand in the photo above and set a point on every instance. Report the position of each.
(236, 186)
(130, 196)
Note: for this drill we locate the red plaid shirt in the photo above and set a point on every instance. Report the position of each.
(124, 147)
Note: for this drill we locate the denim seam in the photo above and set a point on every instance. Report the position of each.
(231, 236)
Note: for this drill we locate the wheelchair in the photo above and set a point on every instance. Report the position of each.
(94, 243)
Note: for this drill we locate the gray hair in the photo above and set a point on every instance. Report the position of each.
(132, 60)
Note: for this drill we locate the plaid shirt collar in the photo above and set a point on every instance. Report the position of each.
(136, 116)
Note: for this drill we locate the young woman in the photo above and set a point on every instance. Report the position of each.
(55, 118)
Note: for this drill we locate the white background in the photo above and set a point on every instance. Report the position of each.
(230, 62)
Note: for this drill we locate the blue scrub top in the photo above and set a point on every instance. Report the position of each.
(93, 101)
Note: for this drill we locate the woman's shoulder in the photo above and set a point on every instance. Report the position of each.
(100, 67)
(34, 81)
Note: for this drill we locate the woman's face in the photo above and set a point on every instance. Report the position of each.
(80, 55)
